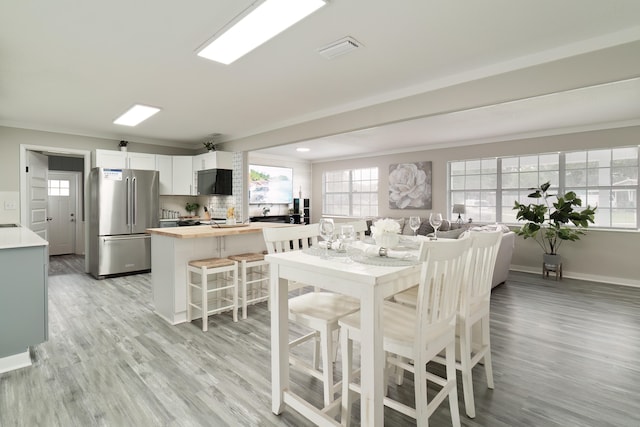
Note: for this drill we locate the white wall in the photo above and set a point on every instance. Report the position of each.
(601, 255)
(9, 207)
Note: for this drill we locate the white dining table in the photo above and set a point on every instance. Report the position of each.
(371, 284)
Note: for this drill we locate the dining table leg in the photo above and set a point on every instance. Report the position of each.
(279, 340)
(372, 361)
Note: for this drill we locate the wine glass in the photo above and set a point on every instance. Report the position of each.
(326, 228)
(414, 224)
(435, 219)
(347, 236)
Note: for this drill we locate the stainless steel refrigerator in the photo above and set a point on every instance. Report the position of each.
(123, 203)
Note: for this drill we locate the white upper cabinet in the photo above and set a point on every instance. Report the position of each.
(182, 175)
(143, 161)
(213, 160)
(113, 159)
(164, 166)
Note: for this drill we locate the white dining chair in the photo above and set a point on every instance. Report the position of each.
(473, 314)
(417, 334)
(319, 311)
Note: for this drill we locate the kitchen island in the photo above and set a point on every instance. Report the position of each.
(173, 248)
(23, 294)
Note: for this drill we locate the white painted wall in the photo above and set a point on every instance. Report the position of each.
(601, 255)
(9, 207)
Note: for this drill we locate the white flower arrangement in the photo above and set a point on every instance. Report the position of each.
(383, 226)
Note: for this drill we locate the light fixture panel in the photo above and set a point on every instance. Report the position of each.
(135, 115)
(264, 21)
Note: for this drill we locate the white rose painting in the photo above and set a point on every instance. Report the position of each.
(410, 185)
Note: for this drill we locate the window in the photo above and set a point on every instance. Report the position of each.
(607, 178)
(58, 187)
(352, 192)
(473, 184)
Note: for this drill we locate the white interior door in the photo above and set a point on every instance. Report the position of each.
(62, 211)
(37, 168)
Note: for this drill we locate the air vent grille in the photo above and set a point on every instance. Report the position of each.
(339, 47)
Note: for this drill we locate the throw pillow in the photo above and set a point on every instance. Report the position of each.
(451, 234)
(425, 228)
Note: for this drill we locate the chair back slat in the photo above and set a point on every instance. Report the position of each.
(285, 239)
(484, 250)
(445, 266)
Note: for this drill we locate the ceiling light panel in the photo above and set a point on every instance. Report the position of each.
(256, 26)
(135, 115)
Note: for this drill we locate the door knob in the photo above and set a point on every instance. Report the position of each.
(49, 218)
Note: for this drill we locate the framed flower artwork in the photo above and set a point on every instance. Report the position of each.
(410, 185)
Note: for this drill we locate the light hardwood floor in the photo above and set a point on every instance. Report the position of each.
(564, 354)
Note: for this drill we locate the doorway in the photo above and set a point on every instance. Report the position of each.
(84, 157)
(63, 211)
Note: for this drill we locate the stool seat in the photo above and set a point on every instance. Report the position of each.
(211, 262)
(215, 291)
(249, 257)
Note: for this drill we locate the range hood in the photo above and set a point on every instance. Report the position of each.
(215, 182)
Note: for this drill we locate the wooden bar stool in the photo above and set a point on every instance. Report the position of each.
(254, 279)
(216, 294)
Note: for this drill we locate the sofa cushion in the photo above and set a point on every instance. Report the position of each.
(451, 234)
(425, 228)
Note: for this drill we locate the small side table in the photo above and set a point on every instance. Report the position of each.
(552, 268)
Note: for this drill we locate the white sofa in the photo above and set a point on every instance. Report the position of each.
(452, 231)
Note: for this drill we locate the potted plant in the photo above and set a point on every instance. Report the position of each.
(550, 227)
(123, 145)
(209, 145)
(192, 208)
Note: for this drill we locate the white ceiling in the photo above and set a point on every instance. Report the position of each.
(73, 66)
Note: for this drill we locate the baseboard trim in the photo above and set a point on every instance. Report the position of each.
(17, 361)
(581, 276)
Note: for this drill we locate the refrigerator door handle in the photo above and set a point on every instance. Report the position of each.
(126, 202)
(134, 201)
(107, 239)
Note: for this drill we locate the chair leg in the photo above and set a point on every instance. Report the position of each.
(244, 289)
(451, 376)
(346, 349)
(335, 336)
(235, 292)
(205, 308)
(316, 351)
(465, 362)
(486, 345)
(420, 390)
(399, 372)
(189, 297)
(326, 345)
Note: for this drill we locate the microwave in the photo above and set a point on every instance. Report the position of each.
(215, 181)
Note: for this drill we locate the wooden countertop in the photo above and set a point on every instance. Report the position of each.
(202, 231)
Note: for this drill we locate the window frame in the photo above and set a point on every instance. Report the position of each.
(351, 191)
(588, 190)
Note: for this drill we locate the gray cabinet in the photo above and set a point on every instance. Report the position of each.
(23, 298)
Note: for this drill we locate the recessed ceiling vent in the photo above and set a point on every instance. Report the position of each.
(340, 47)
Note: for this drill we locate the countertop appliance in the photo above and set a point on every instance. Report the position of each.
(123, 203)
(215, 181)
